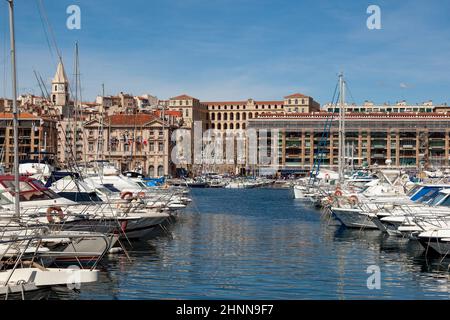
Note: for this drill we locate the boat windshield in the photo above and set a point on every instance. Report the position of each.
(4, 200)
(429, 196)
(446, 202)
(413, 190)
(438, 199)
(104, 191)
(110, 187)
(30, 191)
(140, 184)
(81, 196)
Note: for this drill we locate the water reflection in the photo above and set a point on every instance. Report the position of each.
(262, 244)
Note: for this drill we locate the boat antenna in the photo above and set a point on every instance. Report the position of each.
(15, 110)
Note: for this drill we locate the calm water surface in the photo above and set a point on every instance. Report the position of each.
(263, 244)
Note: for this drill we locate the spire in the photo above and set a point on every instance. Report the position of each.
(60, 75)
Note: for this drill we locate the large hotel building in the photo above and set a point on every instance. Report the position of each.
(398, 135)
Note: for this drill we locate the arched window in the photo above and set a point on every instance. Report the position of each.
(238, 116)
(231, 116)
(250, 115)
(213, 116)
(213, 126)
(231, 126)
(225, 127)
(160, 171)
(244, 116)
(243, 126)
(151, 171)
(219, 116)
(225, 116)
(219, 126)
(237, 126)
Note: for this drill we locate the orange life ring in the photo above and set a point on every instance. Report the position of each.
(141, 194)
(51, 211)
(353, 199)
(126, 195)
(338, 192)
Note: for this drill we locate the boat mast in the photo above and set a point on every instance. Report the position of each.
(15, 110)
(341, 159)
(75, 129)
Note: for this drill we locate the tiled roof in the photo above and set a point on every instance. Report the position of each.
(296, 95)
(130, 119)
(182, 97)
(173, 113)
(22, 115)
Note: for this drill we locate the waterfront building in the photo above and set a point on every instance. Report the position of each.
(398, 107)
(36, 134)
(414, 140)
(139, 142)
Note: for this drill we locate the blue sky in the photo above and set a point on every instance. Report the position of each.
(237, 49)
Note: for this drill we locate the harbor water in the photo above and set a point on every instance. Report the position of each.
(263, 244)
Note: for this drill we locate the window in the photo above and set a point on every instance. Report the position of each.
(213, 116)
(151, 146)
(237, 125)
(161, 147)
(225, 116)
(91, 146)
(219, 116)
(238, 116)
(225, 127)
(231, 116)
(160, 171)
(296, 101)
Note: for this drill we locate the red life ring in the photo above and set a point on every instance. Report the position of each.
(126, 195)
(338, 192)
(51, 211)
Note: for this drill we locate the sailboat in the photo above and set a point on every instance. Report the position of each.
(20, 273)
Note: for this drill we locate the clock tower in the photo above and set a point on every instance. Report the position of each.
(60, 87)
